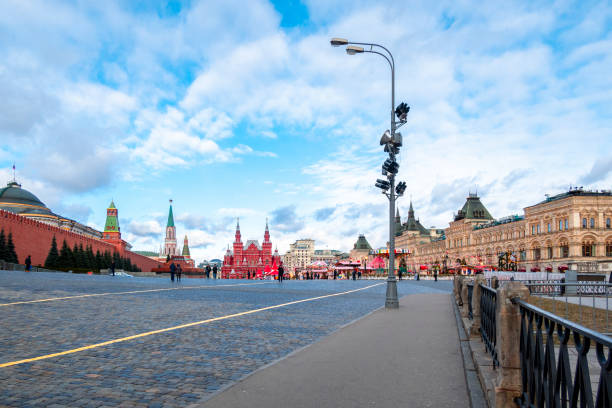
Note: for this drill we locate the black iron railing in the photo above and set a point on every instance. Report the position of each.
(470, 287)
(488, 322)
(546, 373)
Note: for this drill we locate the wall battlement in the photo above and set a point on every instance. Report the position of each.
(34, 238)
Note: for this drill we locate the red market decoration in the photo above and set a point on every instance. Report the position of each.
(522, 270)
(423, 267)
(563, 268)
(549, 269)
(535, 269)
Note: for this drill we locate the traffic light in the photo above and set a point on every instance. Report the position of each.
(400, 188)
(383, 184)
(390, 166)
(402, 111)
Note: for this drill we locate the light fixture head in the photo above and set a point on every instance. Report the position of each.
(383, 184)
(353, 49)
(397, 139)
(336, 42)
(402, 111)
(385, 138)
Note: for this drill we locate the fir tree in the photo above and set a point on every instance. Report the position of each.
(11, 255)
(107, 259)
(75, 256)
(65, 257)
(127, 264)
(98, 261)
(53, 257)
(91, 259)
(81, 257)
(2, 246)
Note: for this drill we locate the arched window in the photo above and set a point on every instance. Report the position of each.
(560, 225)
(584, 223)
(592, 222)
(608, 225)
(588, 248)
(609, 248)
(549, 251)
(537, 253)
(564, 249)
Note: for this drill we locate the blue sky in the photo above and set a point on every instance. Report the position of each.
(243, 109)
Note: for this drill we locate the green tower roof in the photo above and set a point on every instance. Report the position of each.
(362, 243)
(170, 218)
(473, 209)
(112, 223)
(186, 248)
(112, 204)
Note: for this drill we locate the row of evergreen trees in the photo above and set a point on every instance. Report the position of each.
(7, 248)
(84, 258)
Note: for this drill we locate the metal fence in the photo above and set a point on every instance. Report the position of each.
(470, 287)
(546, 375)
(488, 321)
(587, 303)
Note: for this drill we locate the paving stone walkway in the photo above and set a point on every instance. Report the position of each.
(175, 368)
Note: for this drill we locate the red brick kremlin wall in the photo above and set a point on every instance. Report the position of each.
(34, 238)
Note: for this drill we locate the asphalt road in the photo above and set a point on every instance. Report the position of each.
(176, 367)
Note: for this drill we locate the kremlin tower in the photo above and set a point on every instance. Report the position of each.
(170, 241)
(111, 227)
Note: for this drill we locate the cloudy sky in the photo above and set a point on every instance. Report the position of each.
(242, 108)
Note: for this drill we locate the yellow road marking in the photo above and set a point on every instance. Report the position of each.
(127, 293)
(182, 326)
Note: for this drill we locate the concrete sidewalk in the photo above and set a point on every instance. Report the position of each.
(405, 358)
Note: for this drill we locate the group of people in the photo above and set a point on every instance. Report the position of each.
(175, 269)
(208, 269)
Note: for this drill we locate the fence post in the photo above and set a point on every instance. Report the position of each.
(465, 309)
(458, 284)
(508, 322)
(476, 294)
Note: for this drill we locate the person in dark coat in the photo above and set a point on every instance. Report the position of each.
(214, 271)
(207, 271)
(28, 263)
(179, 272)
(112, 268)
(281, 272)
(436, 274)
(335, 274)
(354, 274)
(172, 270)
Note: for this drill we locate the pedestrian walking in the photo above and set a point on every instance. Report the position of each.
(214, 271)
(112, 268)
(281, 272)
(436, 275)
(179, 271)
(28, 263)
(354, 274)
(335, 274)
(172, 270)
(207, 271)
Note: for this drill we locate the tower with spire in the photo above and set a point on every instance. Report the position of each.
(186, 248)
(111, 227)
(170, 240)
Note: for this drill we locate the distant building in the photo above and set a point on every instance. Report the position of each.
(19, 201)
(300, 255)
(328, 256)
(250, 258)
(361, 249)
(571, 230)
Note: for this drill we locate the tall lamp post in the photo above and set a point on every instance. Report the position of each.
(392, 141)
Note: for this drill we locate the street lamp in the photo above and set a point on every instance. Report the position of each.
(392, 142)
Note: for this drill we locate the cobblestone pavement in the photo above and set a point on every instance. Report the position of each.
(176, 368)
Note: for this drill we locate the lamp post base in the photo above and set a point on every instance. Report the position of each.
(391, 301)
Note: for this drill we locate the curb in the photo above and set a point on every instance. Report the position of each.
(474, 387)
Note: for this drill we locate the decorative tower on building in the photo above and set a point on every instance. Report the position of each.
(111, 227)
(238, 259)
(266, 247)
(170, 241)
(186, 248)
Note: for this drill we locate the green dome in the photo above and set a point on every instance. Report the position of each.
(15, 199)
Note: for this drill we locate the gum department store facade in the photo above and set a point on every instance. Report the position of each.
(572, 230)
